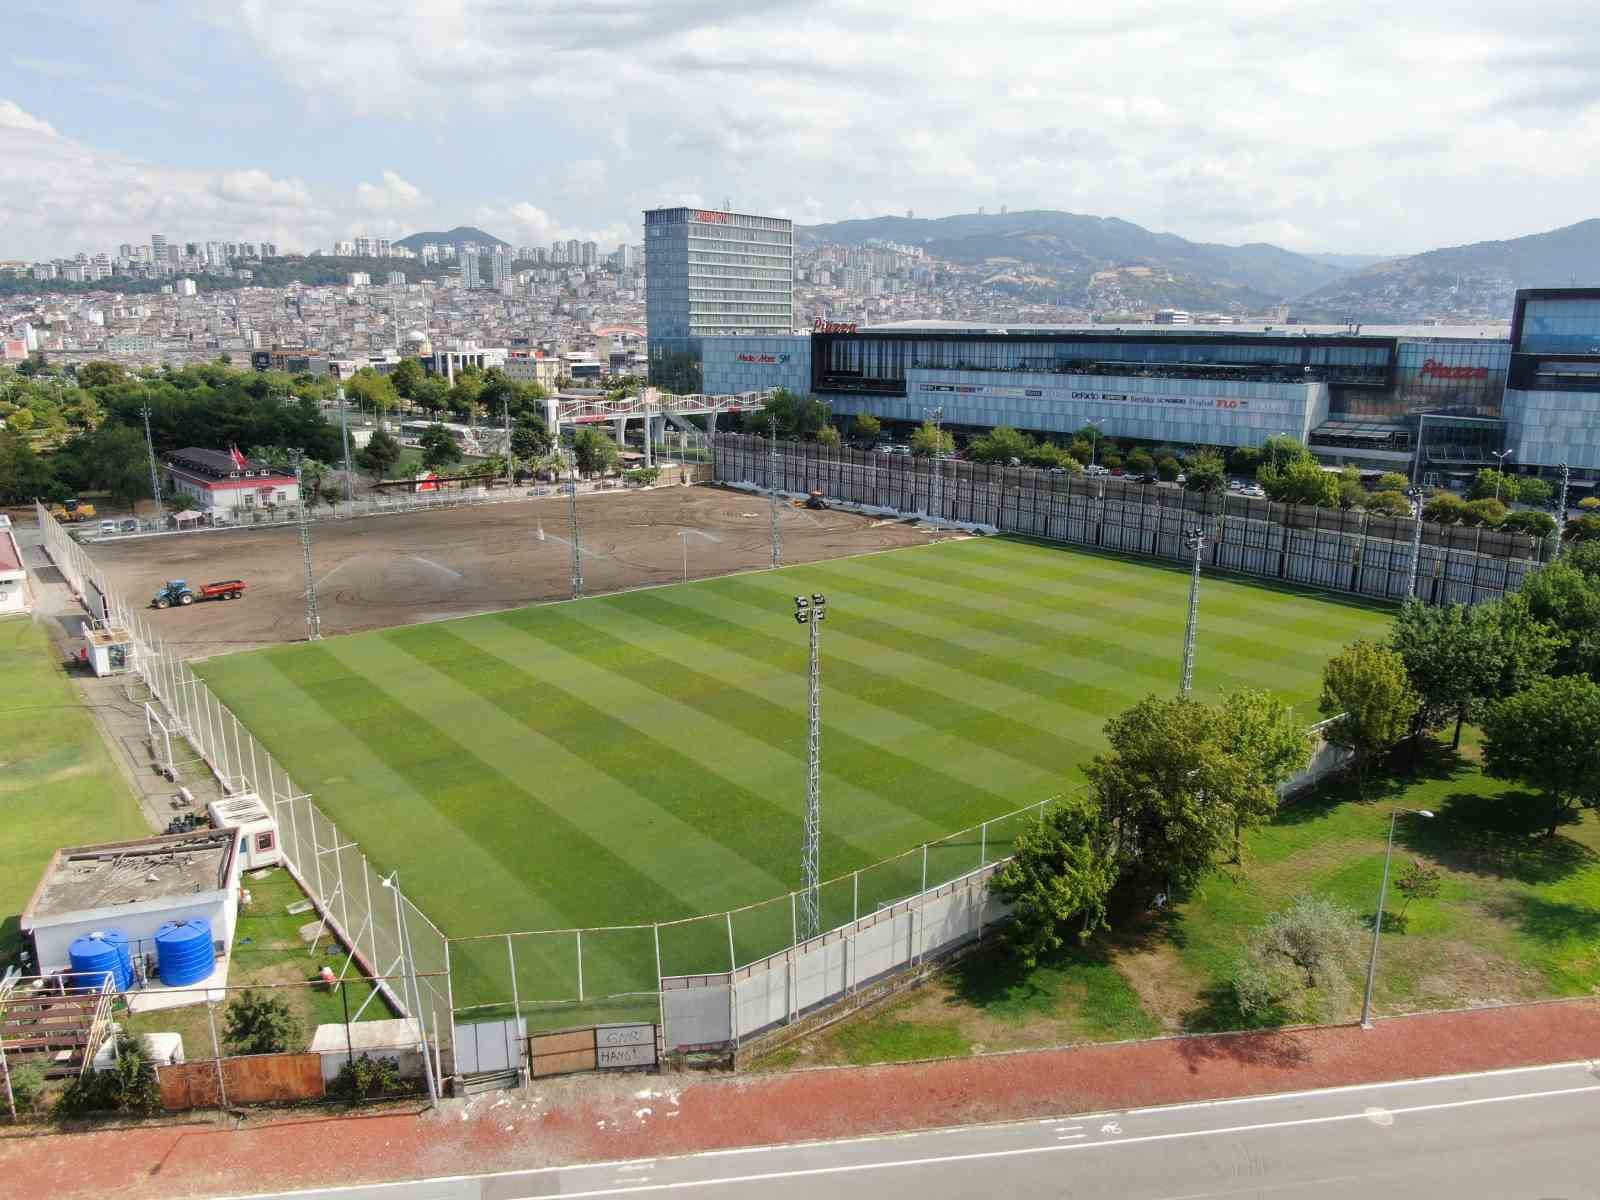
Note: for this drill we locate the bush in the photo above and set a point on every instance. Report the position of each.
(642, 476)
(1536, 524)
(128, 1087)
(1444, 508)
(367, 1078)
(1488, 513)
(1388, 504)
(1204, 473)
(1392, 481)
(1140, 463)
(27, 1081)
(260, 1023)
(1589, 503)
(1583, 529)
(1167, 469)
(1297, 963)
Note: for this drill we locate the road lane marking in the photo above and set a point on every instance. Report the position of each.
(981, 1155)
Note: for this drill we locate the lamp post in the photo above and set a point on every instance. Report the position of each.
(1094, 441)
(812, 612)
(1195, 540)
(1500, 457)
(1279, 434)
(1377, 922)
(409, 971)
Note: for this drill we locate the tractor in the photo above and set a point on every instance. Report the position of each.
(174, 591)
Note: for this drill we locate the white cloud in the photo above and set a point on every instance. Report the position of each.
(1215, 122)
(13, 118)
(392, 195)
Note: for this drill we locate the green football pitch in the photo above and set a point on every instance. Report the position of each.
(641, 757)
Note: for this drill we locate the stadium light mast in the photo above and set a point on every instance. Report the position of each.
(572, 508)
(344, 433)
(812, 612)
(1195, 541)
(772, 486)
(155, 475)
(313, 618)
(936, 490)
(1561, 505)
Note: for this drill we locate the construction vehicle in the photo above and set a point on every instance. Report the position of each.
(814, 500)
(177, 591)
(72, 511)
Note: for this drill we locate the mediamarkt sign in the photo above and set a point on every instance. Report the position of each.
(763, 359)
(1434, 369)
(818, 325)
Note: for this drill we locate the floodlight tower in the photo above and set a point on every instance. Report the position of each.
(772, 485)
(1195, 541)
(344, 433)
(936, 490)
(155, 475)
(572, 507)
(1561, 507)
(808, 922)
(313, 618)
(1416, 550)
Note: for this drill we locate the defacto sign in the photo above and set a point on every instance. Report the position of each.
(711, 218)
(1227, 402)
(1434, 369)
(763, 359)
(818, 325)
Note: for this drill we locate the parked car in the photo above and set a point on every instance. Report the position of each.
(1095, 469)
(130, 525)
(107, 528)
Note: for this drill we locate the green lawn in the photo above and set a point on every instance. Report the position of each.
(641, 757)
(58, 786)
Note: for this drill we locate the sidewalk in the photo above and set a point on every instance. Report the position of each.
(592, 1118)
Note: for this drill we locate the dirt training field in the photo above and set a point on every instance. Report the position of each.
(376, 572)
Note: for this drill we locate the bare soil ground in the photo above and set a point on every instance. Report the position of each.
(376, 572)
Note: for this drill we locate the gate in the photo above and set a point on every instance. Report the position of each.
(598, 1048)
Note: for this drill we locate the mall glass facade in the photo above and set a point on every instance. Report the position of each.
(1552, 398)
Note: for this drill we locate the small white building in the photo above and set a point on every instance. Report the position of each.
(227, 483)
(255, 826)
(14, 594)
(135, 887)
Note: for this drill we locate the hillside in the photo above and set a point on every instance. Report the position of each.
(1074, 247)
(1462, 279)
(454, 237)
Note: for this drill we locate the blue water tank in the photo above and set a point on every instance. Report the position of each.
(101, 954)
(184, 953)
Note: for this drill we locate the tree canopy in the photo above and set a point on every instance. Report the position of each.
(1367, 689)
(1545, 737)
(1060, 874)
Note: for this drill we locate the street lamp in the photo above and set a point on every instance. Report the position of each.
(1377, 922)
(1094, 441)
(1500, 457)
(1279, 434)
(808, 923)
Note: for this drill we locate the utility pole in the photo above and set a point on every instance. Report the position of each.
(1561, 507)
(577, 554)
(1416, 550)
(313, 619)
(344, 432)
(936, 490)
(155, 475)
(812, 612)
(772, 486)
(1195, 541)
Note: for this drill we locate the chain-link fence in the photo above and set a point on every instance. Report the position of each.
(1347, 551)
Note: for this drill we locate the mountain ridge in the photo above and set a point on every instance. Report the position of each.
(458, 236)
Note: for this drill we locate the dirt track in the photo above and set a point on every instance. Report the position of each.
(394, 570)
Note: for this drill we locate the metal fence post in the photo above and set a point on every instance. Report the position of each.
(579, 932)
(657, 930)
(516, 1000)
(372, 920)
(794, 922)
(855, 897)
(733, 962)
(924, 867)
(983, 845)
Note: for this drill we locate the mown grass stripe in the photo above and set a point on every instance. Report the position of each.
(890, 781)
(689, 791)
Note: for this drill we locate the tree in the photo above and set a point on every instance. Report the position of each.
(407, 377)
(1082, 450)
(1525, 647)
(1533, 490)
(1537, 525)
(1000, 445)
(1392, 481)
(379, 455)
(1444, 508)
(24, 476)
(100, 374)
(115, 459)
(1585, 559)
(1451, 658)
(1060, 873)
(1582, 529)
(439, 447)
(867, 427)
(1242, 460)
(1300, 481)
(1168, 469)
(594, 451)
(1261, 733)
(1140, 463)
(1490, 484)
(530, 439)
(1352, 494)
(432, 394)
(260, 1023)
(1169, 790)
(796, 416)
(1484, 513)
(1366, 687)
(1309, 947)
(1567, 603)
(1204, 473)
(1419, 881)
(930, 441)
(1589, 504)
(828, 436)
(1388, 504)
(22, 421)
(371, 390)
(1280, 451)
(1545, 738)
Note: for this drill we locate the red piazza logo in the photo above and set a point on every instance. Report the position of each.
(711, 218)
(1434, 369)
(818, 325)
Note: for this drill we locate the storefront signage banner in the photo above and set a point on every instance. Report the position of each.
(979, 389)
(763, 359)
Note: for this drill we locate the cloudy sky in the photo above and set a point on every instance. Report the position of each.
(1349, 126)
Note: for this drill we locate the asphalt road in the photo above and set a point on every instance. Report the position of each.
(1531, 1133)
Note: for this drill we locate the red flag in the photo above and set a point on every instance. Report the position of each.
(239, 460)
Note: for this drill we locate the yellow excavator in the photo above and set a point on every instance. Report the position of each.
(72, 511)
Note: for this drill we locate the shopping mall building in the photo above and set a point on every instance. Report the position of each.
(1424, 400)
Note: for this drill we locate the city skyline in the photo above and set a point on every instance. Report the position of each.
(1359, 130)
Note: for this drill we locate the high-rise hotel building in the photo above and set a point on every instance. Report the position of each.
(711, 273)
